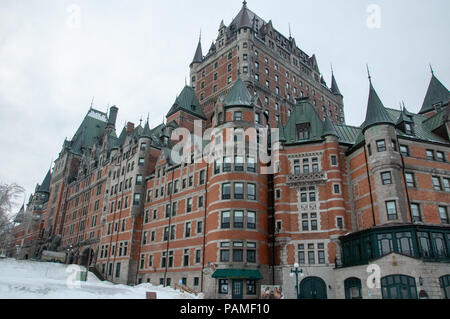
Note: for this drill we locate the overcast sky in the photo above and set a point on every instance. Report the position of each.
(136, 54)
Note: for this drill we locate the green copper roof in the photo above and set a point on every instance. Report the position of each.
(334, 86)
(405, 116)
(238, 274)
(347, 134)
(436, 93)
(90, 131)
(239, 95)
(376, 112)
(304, 113)
(437, 120)
(328, 128)
(45, 186)
(187, 101)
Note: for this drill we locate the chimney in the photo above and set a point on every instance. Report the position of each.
(130, 127)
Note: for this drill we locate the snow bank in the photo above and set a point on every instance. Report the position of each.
(40, 280)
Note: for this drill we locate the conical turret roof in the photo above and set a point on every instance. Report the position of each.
(376, 112)
(436, 93)
(328, 128)
(334, 86)
(45, 186)
(239, 95)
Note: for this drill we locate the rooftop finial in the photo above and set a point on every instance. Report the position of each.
(244, 3)
(332, 72)
(148, 117)
(200, 36)
(368, 73)
(290, 35)
(431, 68)
(140, 121)
(92, 102)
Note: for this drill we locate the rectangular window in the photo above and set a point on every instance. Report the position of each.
(188, 229)
(238, 219)
(239, 163)
(386, 178)
(200, 201)
(226, 191)
(430, 155)
(227, 164)
(251, 287)
(251, 191)
(410, 182)
(446, 184)
(415, 213)
(404, 150)
(381, 146)
(251, 220)
(238, 255)
(391, 210)
(336, 189)
(174, 208)
(443, 214)
(223, 286)
(321, 256)
(436, 183)
(189, 205)
(237, 116)
(311, 258)
(251, 164)
(225, 219)
(224, 255)
(333, 160)
(251, 256)
(199, 227)
(201, 180)
(440, 156)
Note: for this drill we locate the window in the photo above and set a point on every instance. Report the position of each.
(238, 219)
(391, 210)
(340, 222)
(137, 199)
(446, 184)
(198, 254)
(410, 181)
(443, 214)
(224, 252)
(352, 288)
(251, 255)
(333, 160)
(188, 229)
(237, 116)
(386, 178)
(336, 189)
(251, 164)
(117, 270)
(251, 191)
(189, 205)
(381, 146)
(225, 219)
(239, 163)
(200, 201)
(223, 286)
(238, 190)
(436, 183)
(227, 164)
(398, 287)
(430, 155)
(440, 156)
(226, 191)
(415, 213)
(404, 150)
(303, 131)
(238, 253)
(199, 227)
(394, 145)
(251, 287)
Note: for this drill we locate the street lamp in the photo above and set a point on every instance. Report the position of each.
(296, 271)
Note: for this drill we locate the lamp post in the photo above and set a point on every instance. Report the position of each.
(296, 271)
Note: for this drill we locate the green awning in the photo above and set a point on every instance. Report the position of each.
(238, 274)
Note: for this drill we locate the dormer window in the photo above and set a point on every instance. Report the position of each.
(303, 131)
(408, 129)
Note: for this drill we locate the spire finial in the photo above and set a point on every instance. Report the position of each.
(92, 102)
(200, 36)
(148, 116)
(290, 35)
(431, 68)
(368, 73)
(332, 72)
(244, 4)
(140, 121)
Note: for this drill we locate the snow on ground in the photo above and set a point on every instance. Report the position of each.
(23, 279)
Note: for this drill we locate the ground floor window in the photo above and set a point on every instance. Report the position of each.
(445, 286)
(251, 287)
(353, 288)
(398, 287)
(223, 286)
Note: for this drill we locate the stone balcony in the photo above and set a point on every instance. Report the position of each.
(307, 179)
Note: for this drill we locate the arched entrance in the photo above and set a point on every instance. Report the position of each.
(313, 288)
(88, 254)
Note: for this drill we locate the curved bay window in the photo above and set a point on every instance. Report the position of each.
(424, 242)
(398, 287)
(352, 288)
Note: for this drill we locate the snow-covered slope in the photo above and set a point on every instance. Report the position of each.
(39, 280)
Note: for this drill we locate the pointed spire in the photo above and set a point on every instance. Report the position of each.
(198, 57)
(328, 128)
(334, 87)
(239, 95)
(146, 132)
(376, 112)
(45, 186)
(436, 93)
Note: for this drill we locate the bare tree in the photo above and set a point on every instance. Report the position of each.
(9, 193)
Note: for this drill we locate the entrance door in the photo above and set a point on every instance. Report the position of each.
(313, 288)
(236, 289)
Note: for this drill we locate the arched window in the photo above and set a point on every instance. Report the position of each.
(352, 288)
(445, 286)
(398, 287)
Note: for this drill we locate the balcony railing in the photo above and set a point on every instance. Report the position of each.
(314, 178)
